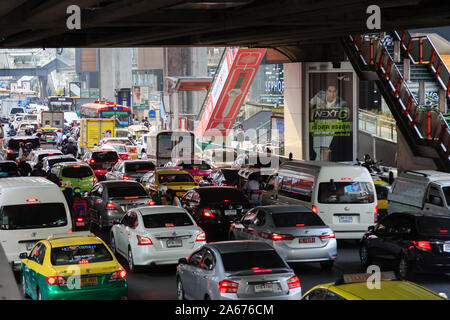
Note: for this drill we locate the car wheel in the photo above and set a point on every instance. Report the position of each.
(113, 245)
(180, 290)
(364, 256)
(404, 268)
(100, 222)
(327, 265)
(131, 264)
(39, 295)
(24, 287)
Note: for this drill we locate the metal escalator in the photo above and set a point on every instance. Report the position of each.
(424, 127)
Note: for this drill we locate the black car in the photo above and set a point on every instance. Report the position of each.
(10, 146)
(224, 177)
(8, 168)
(409, 242)
(215, 208)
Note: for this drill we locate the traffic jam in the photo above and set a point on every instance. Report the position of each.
(87, 203)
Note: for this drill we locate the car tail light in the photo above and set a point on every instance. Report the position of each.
(169, 225)
(94, 180)
(80, 219)
(226, 286)
(131, 198)
(293, 283)
(201, 237)
(8, 151)
(144, 241)
(70, 230)
(208, 213)
(259, 270)
(111, 206)
(122, 274)
(328, 236)
(92, 161)
(422, 245)
(279, 237)
(60, 281)
(151, 203)
(83, 262)
(32, 200)
(443, 231)
(125, 178)
(314, 209)
(375, 214)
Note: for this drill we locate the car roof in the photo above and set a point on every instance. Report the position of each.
(83, 240)
(47, 151)
(285, 208)
(390, 290)
(21, 182)
(71, 163)
(159, 209)
(61, 156)
(218, 188)
(171, 171)
(239, 246)
(422, 214)
(115, 183)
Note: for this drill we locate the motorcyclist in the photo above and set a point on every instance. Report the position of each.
(70, 147)
(24, 167)
(38, 171)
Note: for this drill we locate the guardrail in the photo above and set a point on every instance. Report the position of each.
(379, 126)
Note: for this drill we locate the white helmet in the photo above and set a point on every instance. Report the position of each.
(71, 139)
(162, 190)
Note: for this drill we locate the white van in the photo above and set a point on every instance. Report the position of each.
(31, 209)
(421, 190)
(342, 195)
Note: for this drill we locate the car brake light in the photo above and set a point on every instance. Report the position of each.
(169, 225)
(32, 200)
(77, 166)
(151, 203)
(92, 161)
(443, 231)
(259, 270)
(422, 245)
(293, 283)
(125, 178)
(314, 209)
(328, 236)
(83, 262)
(207, 213)
(56, 281)
(143, 241)
(111, 206)
(94, 180)
(201, 237)
(279, 237)
(131, 198)
(80, 219)
(226, 286)
(8, 151)
(375, 213)
(118, 275)
(70, 230)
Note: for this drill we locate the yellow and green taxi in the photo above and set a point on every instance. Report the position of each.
(72, 266)
(78, 175)
(177, 181)
(382, 189)
(362, 287)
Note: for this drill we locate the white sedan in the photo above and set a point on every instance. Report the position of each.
(156, 235)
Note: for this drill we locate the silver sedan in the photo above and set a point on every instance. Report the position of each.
(296, 232)
(156, 235)
(232, 270)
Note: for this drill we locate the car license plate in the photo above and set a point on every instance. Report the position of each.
(345, 219)
(263, 288)
(174, 243)
(79, 224)
(446, 247)
(230, 212)
(106, 165)
(180, 194)
(30, 245)
(89, 281)
(307, 240)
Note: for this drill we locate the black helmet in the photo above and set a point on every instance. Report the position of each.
(367, 157)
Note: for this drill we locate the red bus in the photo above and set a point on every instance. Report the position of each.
(107, 110)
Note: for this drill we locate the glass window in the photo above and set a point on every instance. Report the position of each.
(221, 194)
(175, 178)
(32, 216)
(387, 224)
(195, 166)
(162, 220)
(108, 156)
(121, 148)
(52, 162)
(382, 191)
(231, 175)
(139, 166)
(246, 260)
(8, 167)
(77, 172)
(318, 294)
(433, 226)
(434, 197)
(346, 192)
(196, 258)
(38, 253)
(446, 191)
(296, 219)
(208, 261)
(77, 254)
(298, 187)
(132, 190)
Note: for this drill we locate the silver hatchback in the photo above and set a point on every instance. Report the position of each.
(296, 232)
(233, 270)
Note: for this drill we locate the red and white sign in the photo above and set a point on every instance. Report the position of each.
(230, 88)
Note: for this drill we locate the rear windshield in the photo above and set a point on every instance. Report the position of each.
(433, 226)
(127, 191)
(171, 178)
(33, 216)
(14, 143)
(382, 191)
(77, 172)
(230, 175)
(105, 156)
(296, 219)
(58, 160)
(246, 260)
(43, 155)
(161, 220)
(16, 110)
(125, 141)
(77, 254)
(8, 167)
(346, 192)
(139, 167)
(224, 156)
(120, 148)
(221, 194)
(447, 195)
(195, 166)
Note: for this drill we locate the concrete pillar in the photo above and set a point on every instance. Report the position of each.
(293, 110)
(406, 69)
(442, 100)
(396, 57)
(115, 67)
(406, 160)
(422, 92)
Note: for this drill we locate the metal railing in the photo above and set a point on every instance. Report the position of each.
(376, 125)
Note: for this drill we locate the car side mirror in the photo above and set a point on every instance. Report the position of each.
(182, 261)
(23, 255)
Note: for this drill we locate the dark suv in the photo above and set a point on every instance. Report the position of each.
(101, 161)
(409, 242)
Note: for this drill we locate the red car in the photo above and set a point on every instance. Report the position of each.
(198, 169)
(120, 148)
(101, 161)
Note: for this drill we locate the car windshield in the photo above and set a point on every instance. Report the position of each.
(346, 192)
(195, 166)
(175, 178)
(14, 143)
(224, 156)
(105, 156)
(125, 141)
(447, 195)
(77, 172)
(43, 155)
(434, 226)
(121, 148)
(212, 195)
(51, 162)
(382, 191)
(127, 191)
(80, 254)
(231, 175)
(139, 166)
(33, 216)
(8, 167)
(162, 220)
(296, 219)
(248, 260)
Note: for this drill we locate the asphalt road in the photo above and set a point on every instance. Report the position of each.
(158, 283)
